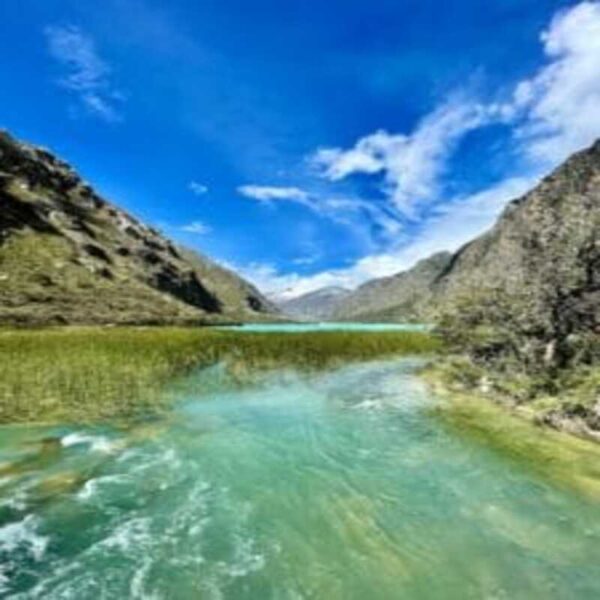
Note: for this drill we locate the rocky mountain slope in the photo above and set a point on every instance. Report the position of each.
(397, 298)
(69, 256)
(535, 276)
(536, 271)
(318, 305)
(521, 303)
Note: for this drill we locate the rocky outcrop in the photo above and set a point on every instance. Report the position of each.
(320, 305)
(528, 288)
(69, 256)
(400, 297)
(534, 278)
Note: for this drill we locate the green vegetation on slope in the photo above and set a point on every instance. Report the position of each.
(69, 256)
(86, 374)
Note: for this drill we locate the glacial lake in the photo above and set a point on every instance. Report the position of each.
(335, 485)
(326, 326)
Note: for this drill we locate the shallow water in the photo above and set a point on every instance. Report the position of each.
(336, 485)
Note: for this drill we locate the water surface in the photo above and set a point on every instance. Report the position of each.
(338, 485)
(326, 326)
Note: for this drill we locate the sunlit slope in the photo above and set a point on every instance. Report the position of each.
(69, 256)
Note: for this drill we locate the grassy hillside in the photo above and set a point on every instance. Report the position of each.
(69, 256)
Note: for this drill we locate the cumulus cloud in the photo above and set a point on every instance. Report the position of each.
(559, 106)
(197, 189)
(197, 227)
(87, 75)
(411, 164)
(265, 193)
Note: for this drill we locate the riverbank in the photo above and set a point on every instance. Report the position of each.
(566, 451)
(88, 374)
(568, 401)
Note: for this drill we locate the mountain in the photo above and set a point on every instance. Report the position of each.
(528, 287)
(318, 305)
(535, 276)
(397, 298)
(69, 256)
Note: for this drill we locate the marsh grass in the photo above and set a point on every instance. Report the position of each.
(95, 374)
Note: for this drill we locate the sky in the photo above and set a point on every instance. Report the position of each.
(306, 143)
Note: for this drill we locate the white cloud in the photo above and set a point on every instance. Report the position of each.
(560, 105)
(266, 193)
(552, 114)
(347, 211)
(197, 227)
(449, 229)
(87, 75)
(197, 188)
(412, 164)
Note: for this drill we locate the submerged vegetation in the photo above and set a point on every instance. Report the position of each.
(561, 458)
(91, 374)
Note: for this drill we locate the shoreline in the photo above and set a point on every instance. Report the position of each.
(558, 455)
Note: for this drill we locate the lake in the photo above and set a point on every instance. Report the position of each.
(328, 326)
(334, 485)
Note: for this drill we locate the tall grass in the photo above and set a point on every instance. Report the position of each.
(91, 374)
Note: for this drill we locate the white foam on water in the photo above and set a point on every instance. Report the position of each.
(131, 534)
(17, 501)
(24, 534)
(92, 486)
(246, 559)
(97, 443)
(138, 583)
(370, 405)
(146, 461)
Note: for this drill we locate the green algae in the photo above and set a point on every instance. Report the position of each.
(512, 431)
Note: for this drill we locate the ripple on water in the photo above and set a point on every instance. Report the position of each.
(337, 485)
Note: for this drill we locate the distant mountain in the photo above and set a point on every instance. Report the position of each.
(318, 305)
(533, 280)
(69, 256)
(396, 298)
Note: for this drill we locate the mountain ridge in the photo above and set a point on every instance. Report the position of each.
(556, 219)
(67, 255)
(396, 297)
(319, 304)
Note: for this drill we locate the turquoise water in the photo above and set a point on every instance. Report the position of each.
(338, 485)
(310, 327)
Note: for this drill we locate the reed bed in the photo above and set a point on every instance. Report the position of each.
(95, 374)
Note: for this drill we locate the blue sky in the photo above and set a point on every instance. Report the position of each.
(306, 143)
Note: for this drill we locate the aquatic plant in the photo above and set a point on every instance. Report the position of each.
(90, 374)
